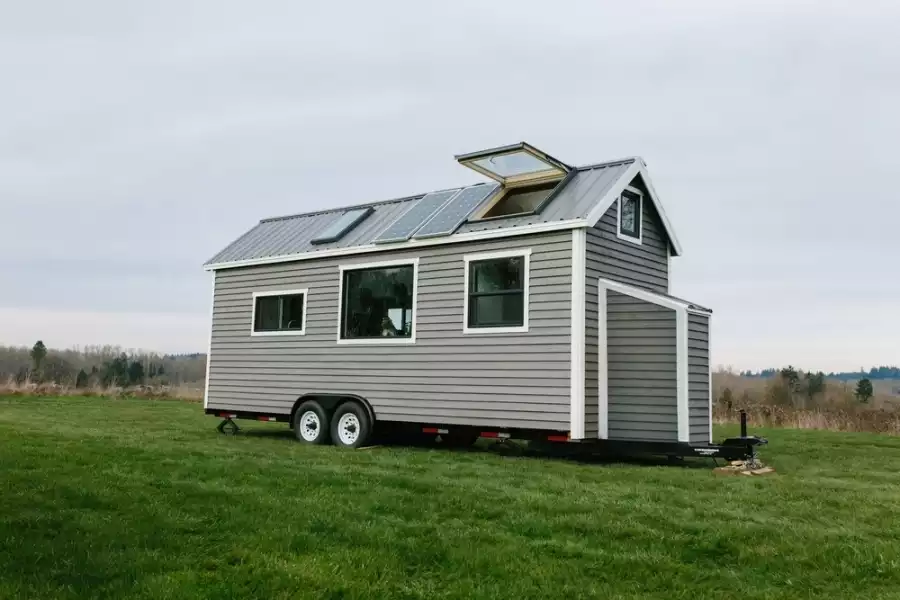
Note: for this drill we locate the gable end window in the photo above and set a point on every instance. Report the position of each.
(279, 313)
(630, 213)
(378, 302)
(496, 298)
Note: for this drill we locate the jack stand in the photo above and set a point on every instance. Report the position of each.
(228, 426)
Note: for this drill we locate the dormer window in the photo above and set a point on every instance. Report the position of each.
(630, 211)
(528, 179)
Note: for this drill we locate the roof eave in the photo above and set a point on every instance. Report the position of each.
(638, 167)
(457, 238)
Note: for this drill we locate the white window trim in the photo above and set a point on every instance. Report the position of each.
(386, 341)
(639, 240)
(301, 331)
(526, 284)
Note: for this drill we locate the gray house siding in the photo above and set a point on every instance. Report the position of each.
(698, 377)
(641, 358)
(608, 256)
(506, 380)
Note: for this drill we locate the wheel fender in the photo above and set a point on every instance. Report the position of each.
(331, 401)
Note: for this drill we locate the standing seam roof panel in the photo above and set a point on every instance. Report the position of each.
(285, 236)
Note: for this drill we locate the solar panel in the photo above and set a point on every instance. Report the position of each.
(449, 218)
(419, 213)
(342, 225)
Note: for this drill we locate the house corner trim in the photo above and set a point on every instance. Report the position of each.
(578, 320)
(681, 370)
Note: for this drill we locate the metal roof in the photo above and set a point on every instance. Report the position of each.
(292, 235)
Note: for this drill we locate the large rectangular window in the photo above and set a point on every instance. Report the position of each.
(497, 292)
(279, 313)
(378, 302)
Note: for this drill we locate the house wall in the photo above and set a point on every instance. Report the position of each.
(642, 375)
(446, 377)
(698, 377)
(608, 256)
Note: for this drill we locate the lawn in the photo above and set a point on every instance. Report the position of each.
(110, 498)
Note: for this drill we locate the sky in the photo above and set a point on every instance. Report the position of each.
(138, 139)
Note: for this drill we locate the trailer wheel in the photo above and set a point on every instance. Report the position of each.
(311, 423)
(350, 426)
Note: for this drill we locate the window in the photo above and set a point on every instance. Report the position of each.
(496, 298)
(378, 302)
(279, 313)
(515, 164)
(630, 211)
(342, 225)
(518, 201)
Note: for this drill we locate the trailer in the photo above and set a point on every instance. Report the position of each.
(535, 306)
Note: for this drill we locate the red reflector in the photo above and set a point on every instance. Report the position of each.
(429, 430)
(558, 438)
(490, 434)
(227, 415)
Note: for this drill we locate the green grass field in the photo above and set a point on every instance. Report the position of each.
(141, 499)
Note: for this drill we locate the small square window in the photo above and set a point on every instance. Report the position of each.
(630, 212)
(279, 313)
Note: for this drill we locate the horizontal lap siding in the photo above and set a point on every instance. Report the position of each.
(511, 380)
(608, 256)
(641, 370)
(698, 377)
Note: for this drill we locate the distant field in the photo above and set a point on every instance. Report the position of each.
(106, 498)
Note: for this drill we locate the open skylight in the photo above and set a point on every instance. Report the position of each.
(516, 165)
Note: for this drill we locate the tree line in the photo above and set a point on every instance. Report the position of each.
(883, 372)
(99, 365)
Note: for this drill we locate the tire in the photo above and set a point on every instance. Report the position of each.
(311, 424)
(350, 426)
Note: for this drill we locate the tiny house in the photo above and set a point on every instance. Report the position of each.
(533, 305)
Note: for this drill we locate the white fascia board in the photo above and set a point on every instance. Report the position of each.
(636, 168)
(642, 294)
(470, 236)
(578, 318)
(613, 193)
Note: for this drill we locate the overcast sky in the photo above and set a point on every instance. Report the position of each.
(138, 139)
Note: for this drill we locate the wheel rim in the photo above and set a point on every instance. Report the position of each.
(348, 429)
(309, 426)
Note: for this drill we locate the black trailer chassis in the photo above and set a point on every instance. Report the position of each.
(743, 447)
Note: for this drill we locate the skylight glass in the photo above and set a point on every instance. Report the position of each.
(343, 224)
(515, 165)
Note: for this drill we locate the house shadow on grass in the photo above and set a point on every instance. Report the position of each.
(511, 449)
(514, 449)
